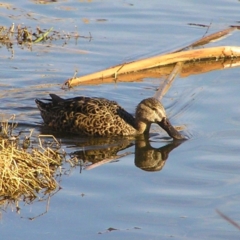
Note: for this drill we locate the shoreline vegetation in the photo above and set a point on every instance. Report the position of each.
(30, 166)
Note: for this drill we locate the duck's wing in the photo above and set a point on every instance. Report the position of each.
(85, 115)
(104, 117)
(101, 108)
(57, 107)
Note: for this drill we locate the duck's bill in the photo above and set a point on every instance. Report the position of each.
(172, 132)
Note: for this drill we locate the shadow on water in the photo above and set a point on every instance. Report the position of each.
(93, 152)
(152, 159)
(89, 153)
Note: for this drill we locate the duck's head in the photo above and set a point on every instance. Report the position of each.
(150, 111)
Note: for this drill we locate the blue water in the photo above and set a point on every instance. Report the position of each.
(199, 176)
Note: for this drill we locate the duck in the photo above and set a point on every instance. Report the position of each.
(95, 116)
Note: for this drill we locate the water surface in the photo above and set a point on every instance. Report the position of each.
(178, 200)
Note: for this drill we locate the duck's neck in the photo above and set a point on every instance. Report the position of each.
(142, 127)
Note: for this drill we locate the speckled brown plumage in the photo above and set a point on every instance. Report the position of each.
(99, 116)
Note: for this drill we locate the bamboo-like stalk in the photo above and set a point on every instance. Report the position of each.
(142, 66)
(167, 84)
(207, 54)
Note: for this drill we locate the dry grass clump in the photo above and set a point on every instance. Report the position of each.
(27, 169)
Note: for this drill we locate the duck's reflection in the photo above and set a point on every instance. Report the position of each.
(152, 159)
(96, 152)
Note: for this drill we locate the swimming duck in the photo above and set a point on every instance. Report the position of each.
(102, 117)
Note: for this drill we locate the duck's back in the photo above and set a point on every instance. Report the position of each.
(86, 116)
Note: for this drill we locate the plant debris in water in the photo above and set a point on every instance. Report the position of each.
(26, 36)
